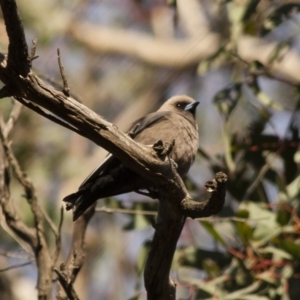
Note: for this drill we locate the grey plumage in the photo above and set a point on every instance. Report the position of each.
(174, 120)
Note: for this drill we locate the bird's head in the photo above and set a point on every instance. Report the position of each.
(181, 104)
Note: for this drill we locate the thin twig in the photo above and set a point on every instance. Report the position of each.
(66, 89)
(13, 221)
(15, 255)
(16, 266)
(68, 288)
(57, 84)
(212, 219)
(38, 243)
(32, 55)
(264, 72)
(125, 211)
(58, 237)
(53, 227)
(12, 118)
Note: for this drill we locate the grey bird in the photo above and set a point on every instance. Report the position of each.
(174, 120)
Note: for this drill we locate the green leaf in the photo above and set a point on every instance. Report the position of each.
(276, 252)
(210, 229)
(293, 189)
(243, 293)
(211, 268)
(263, 222)
(191, 256)
(245, 232)
(289, 246)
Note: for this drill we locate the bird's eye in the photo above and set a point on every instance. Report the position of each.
(178, 105)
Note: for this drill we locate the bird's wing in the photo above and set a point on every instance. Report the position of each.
(111, 161)
(108, 163)
(140, 124)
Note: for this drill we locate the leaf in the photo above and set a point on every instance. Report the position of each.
(245, 232)
(267, 277)
(263, 222)
(240, 294)
(262, 97)
(276, 252)
(142, 256)
(210, 229)
(192, 256)
(211, 267)
(293, 189)
(289, 246)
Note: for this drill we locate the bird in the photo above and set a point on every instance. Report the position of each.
(175, 121)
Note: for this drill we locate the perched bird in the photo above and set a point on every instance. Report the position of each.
(175, 120)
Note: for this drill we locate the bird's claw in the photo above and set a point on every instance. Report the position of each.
(163, 148)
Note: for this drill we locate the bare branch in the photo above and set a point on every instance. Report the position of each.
(184, 53)
(125, 211)
(255, 49)
(37, 241)
(76, 254)
(12, 118)
(16, 266)
(58, 238)
(69, 290)
(145, 47)
(17, 49)
(32, 52)
(12, 218)
(66, 89)
(169, 225)
(175, 202)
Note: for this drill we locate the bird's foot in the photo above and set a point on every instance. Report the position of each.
(163, 149)
(69, 206)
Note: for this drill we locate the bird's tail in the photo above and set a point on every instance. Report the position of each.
(77, 203)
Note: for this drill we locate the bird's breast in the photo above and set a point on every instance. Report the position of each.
(175, 128)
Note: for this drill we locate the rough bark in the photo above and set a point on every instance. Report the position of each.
(175, 203)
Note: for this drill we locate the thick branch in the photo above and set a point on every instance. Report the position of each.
(171, 53)
(213, 205)
(17, 49)
(142, 159)
(182, 53)
(170, 222)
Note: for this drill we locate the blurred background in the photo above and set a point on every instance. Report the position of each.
(123, 59)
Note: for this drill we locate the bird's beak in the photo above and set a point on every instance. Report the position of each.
(192, 107)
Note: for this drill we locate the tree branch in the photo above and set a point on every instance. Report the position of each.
(17, 49)
(144, 160)
(37, 239)
(76, 255)
(183, 53)
(169, 225)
